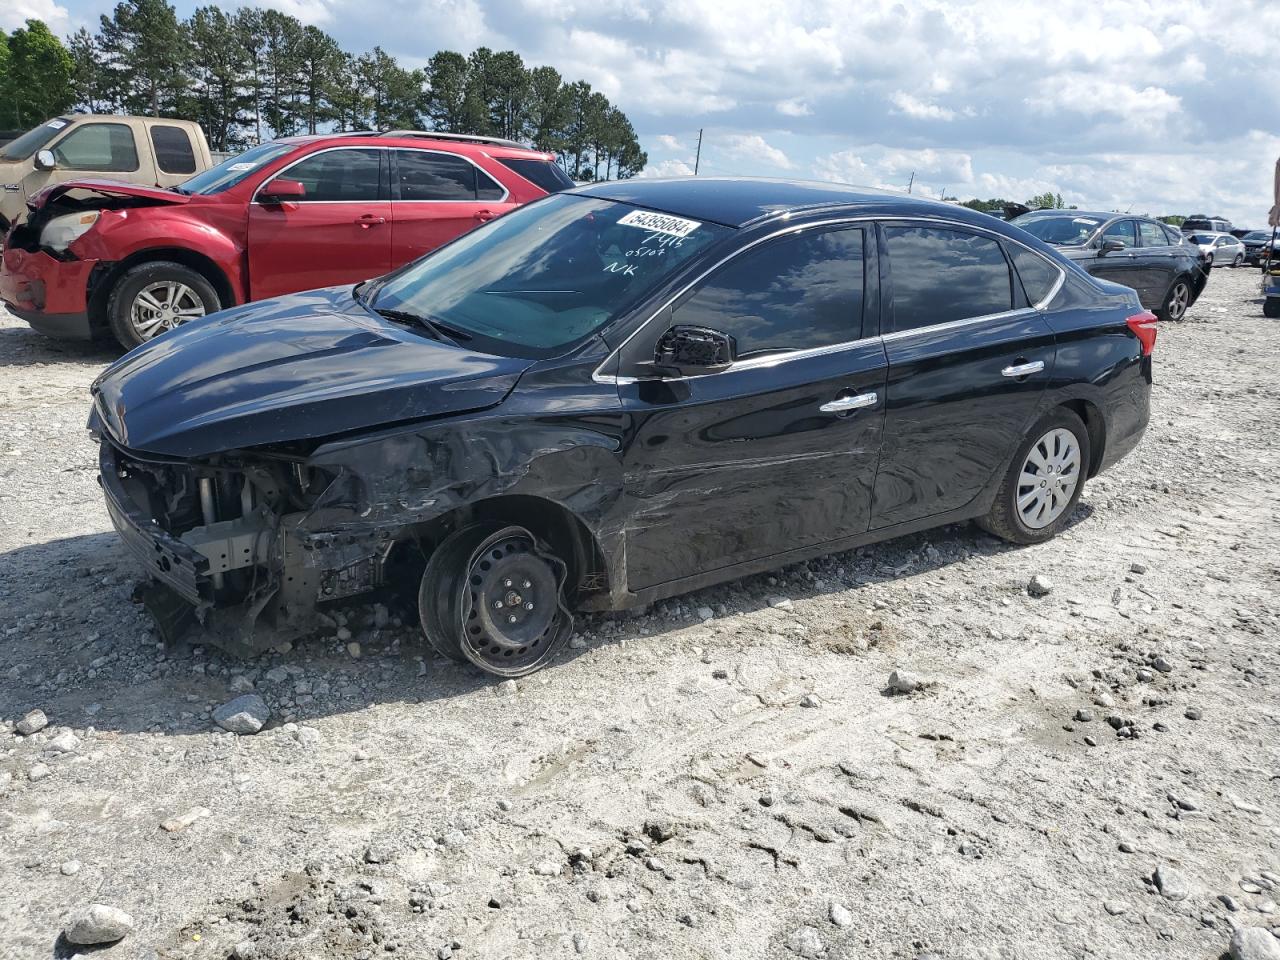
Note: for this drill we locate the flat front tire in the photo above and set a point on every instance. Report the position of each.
(1044, 481)
(152, 298)
(493, 594)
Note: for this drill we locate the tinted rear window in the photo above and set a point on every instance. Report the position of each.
(547, 174)
(173, 149)
(944, 275)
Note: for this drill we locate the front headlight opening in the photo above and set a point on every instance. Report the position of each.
(60, 232)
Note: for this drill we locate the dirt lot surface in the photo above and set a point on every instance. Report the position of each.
(722, 776)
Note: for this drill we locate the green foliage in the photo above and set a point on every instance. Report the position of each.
(145, 55)
(35, 76)
(1047, 201)
(259, 73)
(1173, 220)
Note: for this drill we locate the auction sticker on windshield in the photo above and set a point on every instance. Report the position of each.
(660, 223)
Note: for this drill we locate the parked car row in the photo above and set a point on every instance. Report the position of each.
(1153, 258)
(95, 256)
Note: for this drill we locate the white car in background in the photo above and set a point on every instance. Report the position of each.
(1221, 249)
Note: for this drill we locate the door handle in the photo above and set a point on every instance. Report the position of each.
(845, 404)
(367, 220)
(483, 215)
(1023, 369)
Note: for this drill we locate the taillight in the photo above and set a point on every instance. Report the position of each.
(1143, 326)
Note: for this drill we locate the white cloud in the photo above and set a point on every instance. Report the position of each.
(668, 168)
(795, 107)
(667, 142)
(920, 109)
(752, 149)
(15, 13)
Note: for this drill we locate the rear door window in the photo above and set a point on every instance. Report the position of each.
(336, 176)
(100, 147)
(1037, 274)
(940, 276)
(423, 175)
(795, 293)
(1152, 235)
(174, 153)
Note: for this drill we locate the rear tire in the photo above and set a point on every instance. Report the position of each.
(492, 594)
(154, 297)
(1044, 481)
(1176, 301)
(1271, 308)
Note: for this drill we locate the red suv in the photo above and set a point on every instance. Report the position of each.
(95, 255)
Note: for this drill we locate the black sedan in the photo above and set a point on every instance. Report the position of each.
(610, 396)
(1151, 257)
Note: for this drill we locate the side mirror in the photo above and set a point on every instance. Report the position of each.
(45, 160)
(1112, 246)
(689, 351)
(280, 189)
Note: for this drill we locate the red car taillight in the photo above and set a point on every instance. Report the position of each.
(1143, 326)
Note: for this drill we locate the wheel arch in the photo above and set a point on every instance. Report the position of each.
(558, 526)
(1095, 425)
(104, 279)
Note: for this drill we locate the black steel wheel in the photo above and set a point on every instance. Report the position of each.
(493, 595)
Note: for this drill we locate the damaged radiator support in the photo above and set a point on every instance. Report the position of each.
(229, 544)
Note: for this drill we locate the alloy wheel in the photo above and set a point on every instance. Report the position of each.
(1179, 298)
(1048, 478)
(162, 306)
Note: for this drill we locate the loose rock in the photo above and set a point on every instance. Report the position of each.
(33, 722)
(806, 942)
(244, 715)
(1254, 943)
(1039, 586)
(98, 923)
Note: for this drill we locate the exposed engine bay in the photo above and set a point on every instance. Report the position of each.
(229, 541)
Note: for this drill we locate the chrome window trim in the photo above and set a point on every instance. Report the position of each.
(479, 169)
(954, 324)
(773, 359)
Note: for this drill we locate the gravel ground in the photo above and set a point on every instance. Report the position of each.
(1086, 773)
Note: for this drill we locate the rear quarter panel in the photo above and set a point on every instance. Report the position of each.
(1100, 361)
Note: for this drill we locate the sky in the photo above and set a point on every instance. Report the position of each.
(1155, 106)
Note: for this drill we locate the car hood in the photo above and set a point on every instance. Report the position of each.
(300, 367)
(108, 188)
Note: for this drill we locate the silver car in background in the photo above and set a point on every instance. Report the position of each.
(1222, 249)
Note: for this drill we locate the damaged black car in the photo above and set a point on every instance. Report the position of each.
(608, 397)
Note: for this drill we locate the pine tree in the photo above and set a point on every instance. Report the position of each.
(147, 52)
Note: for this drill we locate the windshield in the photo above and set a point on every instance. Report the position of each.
(1257, 235)
(546, 275)
(33, 140)
(1201, 238)
(1061, 229)
(230, 172)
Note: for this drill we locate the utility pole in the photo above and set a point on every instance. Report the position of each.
(697, 157)
(911, 182)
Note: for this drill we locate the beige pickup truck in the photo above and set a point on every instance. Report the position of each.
(144, 150)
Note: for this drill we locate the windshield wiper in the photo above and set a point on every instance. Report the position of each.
(434, 327)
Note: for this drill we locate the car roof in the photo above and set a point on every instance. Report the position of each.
(441, 140)
(738, 201)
